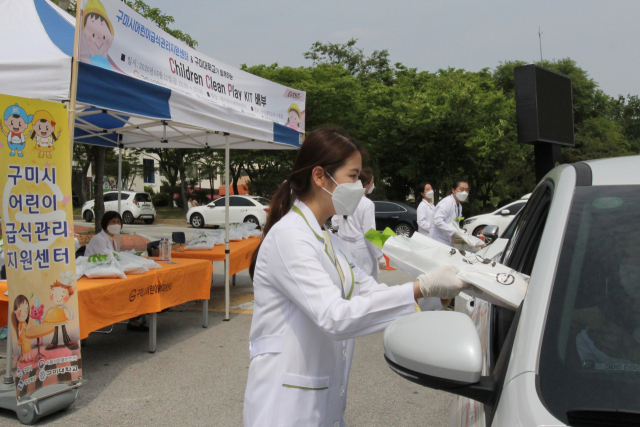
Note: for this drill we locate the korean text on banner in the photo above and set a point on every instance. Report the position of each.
(115, 37)
(35, 178)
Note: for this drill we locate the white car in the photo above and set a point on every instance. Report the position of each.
(501, 217)
(241, 209)
(570, 354)
(134, 205)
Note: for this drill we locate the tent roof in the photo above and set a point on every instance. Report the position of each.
(115, 108)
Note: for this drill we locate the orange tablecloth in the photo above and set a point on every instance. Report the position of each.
(239, 256)
(103, 302)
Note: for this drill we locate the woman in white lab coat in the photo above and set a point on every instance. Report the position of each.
(448, 210)
(311, 299)
(351, 230)
(111, 225)
(425, 208)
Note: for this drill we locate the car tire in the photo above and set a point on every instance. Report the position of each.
(150, 221)
(88, 216)
(197, 221)
(127, 217)
(253, 220)
(477, 230)
(403, 229)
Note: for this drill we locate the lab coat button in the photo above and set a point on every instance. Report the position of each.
(344, 353)
(341, 391)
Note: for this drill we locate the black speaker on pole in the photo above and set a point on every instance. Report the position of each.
(544, 114)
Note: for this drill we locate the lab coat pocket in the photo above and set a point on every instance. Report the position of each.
(303, 400)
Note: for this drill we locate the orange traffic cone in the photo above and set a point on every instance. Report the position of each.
(388, 267)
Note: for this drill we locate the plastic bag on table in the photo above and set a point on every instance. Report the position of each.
(131, 257)
(492, 282)
(79, 271)
(133, 268)
(251, 230)
(101, 266)
(201, 244)
(236, 233)
(218, 235)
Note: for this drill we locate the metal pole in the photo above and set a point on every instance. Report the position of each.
(8, 373)
(119, 187)
(74, 85)
(226, 227)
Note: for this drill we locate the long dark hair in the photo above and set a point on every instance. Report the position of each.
(20, 299)
(327, 147)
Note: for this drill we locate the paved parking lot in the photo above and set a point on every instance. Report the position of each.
(197, 376)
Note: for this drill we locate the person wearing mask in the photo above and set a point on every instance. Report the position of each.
(111, 224)
(351, 230)
(448, 213)
(425, 208)
(310, 299)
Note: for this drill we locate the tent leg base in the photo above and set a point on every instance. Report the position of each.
(226, 320)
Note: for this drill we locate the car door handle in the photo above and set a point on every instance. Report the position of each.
(395, 217)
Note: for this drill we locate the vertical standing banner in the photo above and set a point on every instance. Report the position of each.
(37, 221)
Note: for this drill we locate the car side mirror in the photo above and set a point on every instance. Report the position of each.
(490, 233)
(505, 212)
(439, 350)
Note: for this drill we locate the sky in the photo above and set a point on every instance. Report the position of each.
(603, 37)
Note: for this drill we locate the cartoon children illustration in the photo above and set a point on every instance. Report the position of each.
(61, 293)
(44, 132)
(20, 321)
(98, 35)
(17, 120)
(294, 117)
(37, 313)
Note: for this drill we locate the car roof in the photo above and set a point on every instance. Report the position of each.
(616, 171)
(404, 205)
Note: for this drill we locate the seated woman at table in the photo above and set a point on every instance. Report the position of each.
(111, 225)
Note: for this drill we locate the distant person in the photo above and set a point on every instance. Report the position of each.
(351, 229)
(425, 208)
(448, 213)
(189, 204)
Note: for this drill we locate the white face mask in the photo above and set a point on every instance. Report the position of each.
(462, 196)
(346, 197)
(630, 280)
(370, 190)
(114, 229)
(429, 194)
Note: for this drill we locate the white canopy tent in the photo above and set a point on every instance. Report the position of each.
(123, 109)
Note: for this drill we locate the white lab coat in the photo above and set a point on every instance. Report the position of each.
(351, 230)
(443, 216)
(425, 216)
(304, 324)
(99, 243)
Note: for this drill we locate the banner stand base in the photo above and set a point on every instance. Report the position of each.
(43, 402)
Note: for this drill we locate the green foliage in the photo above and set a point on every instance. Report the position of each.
(161, 199)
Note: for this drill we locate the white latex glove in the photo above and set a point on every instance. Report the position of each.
(442, 283)
(382, 263)
(474, 242)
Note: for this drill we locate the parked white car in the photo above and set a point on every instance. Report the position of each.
(570, 354)
(252, 209)
(501, 217)
(134, 205)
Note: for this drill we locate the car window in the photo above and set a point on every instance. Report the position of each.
(221, 201)
(241, 201)
(110, 197)
(513, 209)
(386, 207)
(508, 232)
(590, 354)
(262, 201)
(142, 197)
(519, 243)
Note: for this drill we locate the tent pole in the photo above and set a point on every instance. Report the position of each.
(226, 227)
(74, 84)
(119, 187)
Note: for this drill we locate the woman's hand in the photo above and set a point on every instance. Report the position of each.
(442, 283)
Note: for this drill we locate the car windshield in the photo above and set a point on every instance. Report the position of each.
(590, 358)
(143, 197)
